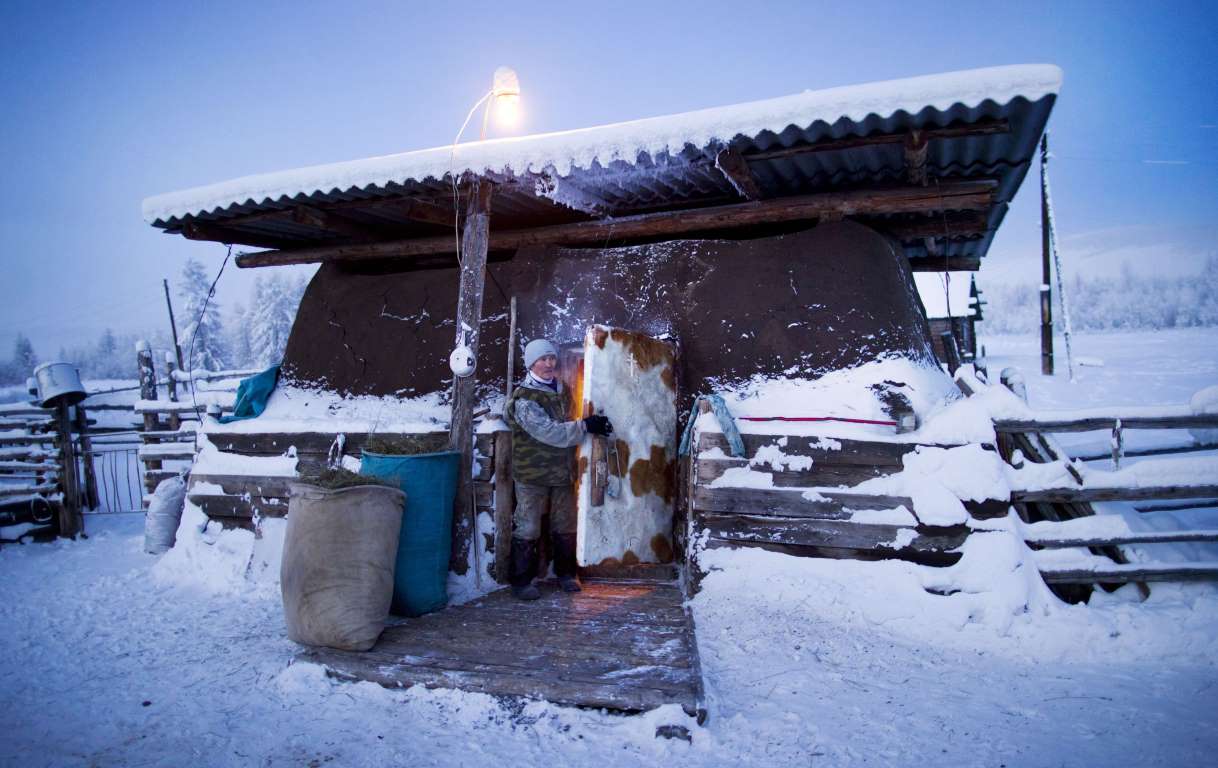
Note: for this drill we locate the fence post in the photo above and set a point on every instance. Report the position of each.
(1118, 444)
(171, 386)
(143, 356)
(92, 498)
(70, 521)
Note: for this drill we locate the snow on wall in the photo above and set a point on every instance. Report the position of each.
(563, 151)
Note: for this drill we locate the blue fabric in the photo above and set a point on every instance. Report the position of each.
(727, 425)
(420, 582)
(252, 394)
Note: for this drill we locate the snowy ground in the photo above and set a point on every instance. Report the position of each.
(107, 659)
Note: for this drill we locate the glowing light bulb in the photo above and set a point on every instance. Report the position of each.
(507, 110)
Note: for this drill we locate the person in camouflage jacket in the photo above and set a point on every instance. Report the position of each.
(543, 455)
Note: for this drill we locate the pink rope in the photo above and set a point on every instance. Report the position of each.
(817, 418)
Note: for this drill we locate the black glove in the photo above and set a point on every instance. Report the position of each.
(598, 425)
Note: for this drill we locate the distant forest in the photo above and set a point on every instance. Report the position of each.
(1124, 302)
(226, 338)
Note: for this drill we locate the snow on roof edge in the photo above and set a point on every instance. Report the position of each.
(564, 151)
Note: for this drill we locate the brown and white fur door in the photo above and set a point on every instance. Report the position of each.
(627, 483)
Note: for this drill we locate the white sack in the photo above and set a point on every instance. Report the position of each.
(164, 514)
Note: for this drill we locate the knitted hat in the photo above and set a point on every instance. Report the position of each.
(537, 349)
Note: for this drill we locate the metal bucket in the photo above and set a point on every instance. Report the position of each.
(59, 383)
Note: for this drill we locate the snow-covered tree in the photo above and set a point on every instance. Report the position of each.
(270, 320)
(239, 335)
(203, 331)
(24, 358)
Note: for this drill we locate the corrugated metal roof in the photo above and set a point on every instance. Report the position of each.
(669, 162)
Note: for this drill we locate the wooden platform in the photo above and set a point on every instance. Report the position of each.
(623, 645)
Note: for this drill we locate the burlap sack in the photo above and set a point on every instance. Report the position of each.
(338, 563)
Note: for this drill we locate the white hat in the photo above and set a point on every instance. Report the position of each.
(537, 349)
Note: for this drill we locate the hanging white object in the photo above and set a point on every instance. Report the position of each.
(461, 361)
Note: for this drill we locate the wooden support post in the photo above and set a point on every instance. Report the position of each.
(1118, 445)
(171, 385)
(143, 356)
(91, 498)
(951, 351)
(469, 319)
(1046, 302)
(173, 328)
(70, 520)
(504, 505)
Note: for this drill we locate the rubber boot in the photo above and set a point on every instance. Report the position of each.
(565, 566)
(523, 569)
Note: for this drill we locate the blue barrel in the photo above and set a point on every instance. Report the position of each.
(420, 584)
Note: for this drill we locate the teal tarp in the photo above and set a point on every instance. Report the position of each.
(430, 481)
(252, 394)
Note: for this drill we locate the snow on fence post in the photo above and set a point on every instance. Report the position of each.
(143, 359)
(171, 386)
(1013, 380)
(1118, 444)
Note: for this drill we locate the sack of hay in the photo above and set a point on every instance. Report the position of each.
(338, 560)
(163, 515)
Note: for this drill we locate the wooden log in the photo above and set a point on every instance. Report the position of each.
(468, 323)
(811, 532)
(217, 233)
(27, 489)
(954, 195)
(826, 475)
(1090, 423)
(147, 374)
(736, 170)
(1195, 504)
(1167, 450)
(1137, 572)
(229, 506)
(28, 466)
(951, 352)
(916, 144)
(1075, 495)
(71, 521)
(275, 443)
(1115, 540)
(91, 495)
(833, 505)
(237, 485)
(504, 504)
(823, 450)
(42, 439)
(941, 263)
(939, 559)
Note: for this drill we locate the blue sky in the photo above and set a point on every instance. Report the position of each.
(107, 103)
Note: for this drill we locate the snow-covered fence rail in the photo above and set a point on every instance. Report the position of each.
(1162, 417)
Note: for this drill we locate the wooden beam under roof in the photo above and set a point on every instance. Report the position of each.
(945, 264)
(963, 224)
(981, 128)
(949, 196)
(205, 231)
(733, 165)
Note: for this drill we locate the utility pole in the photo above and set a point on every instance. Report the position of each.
(1046, 304)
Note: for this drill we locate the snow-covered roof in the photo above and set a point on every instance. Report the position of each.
(935, 289)
(934, 99)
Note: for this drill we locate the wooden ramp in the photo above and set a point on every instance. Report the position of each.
(623, 645)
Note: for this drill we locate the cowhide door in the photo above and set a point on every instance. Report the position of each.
(627, 483)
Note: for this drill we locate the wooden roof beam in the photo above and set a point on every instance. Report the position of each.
(214, 233)
(916, 146)
(951, 195)
(331, 222)
(964, 224)
(945, 264)
(982, 128)
(733, 165)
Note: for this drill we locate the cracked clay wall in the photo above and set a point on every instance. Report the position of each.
(798, 305)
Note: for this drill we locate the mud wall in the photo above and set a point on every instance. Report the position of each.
(802, 304)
